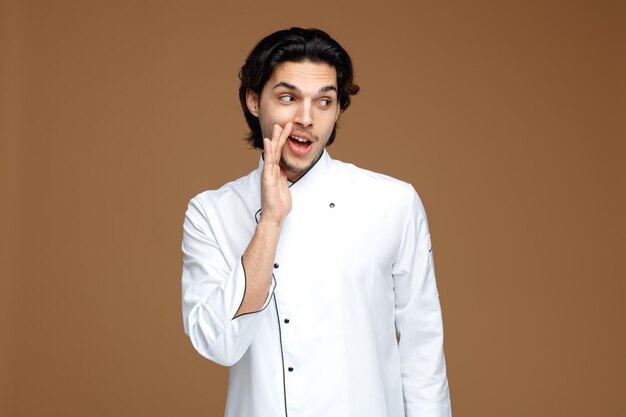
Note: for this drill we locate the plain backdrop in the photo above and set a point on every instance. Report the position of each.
(508, 117)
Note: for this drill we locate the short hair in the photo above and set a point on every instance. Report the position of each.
(294, 45)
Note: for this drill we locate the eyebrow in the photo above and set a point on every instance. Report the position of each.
(293, 87)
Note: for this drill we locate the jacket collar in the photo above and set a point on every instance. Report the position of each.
(310, 181)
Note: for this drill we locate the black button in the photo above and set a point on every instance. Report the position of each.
(332, 205)
(286, 320)
(276, 265)
(290, 369)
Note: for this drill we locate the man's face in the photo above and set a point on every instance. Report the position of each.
(304, 93)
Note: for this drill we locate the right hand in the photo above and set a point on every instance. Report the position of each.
(275, 194)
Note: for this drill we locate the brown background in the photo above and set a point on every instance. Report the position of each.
(507, 117)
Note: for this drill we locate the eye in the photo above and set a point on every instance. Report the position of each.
(286, 98)
(325, 102)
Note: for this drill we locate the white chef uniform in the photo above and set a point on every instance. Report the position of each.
(352, 323)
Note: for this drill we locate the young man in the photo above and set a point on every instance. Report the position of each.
(310, 278)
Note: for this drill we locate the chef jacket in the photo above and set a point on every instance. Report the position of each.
(352, 324)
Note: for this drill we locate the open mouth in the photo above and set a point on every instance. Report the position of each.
(299, 143)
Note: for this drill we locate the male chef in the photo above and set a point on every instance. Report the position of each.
(310, 278)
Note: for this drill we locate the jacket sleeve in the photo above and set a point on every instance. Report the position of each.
(212, 292)
(418, 320)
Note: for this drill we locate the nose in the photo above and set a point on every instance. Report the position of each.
(304, 116)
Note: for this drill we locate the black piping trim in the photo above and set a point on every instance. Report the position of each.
(280, 334)
(308, 170)
(245, 284)
(282, 356)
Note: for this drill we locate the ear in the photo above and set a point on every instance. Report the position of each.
(252, 101)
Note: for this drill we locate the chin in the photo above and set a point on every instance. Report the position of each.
(297, 168)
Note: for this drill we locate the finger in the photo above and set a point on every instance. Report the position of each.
(276, 130)
(267, 150)
(284, 135)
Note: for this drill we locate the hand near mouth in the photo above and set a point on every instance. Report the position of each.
(258, 259)
(275, 194)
